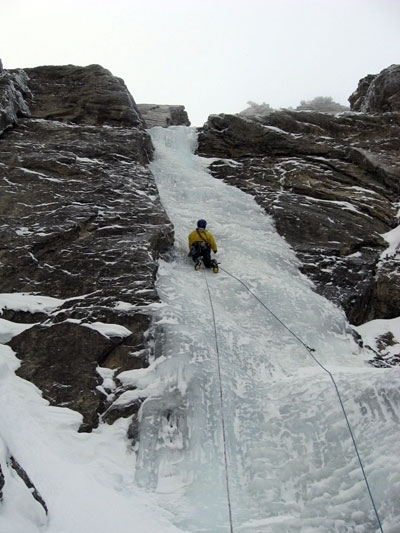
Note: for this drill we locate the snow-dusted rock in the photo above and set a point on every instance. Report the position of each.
(82, 95)
(378, 93)
(13, 91)
(332, 184)
(81, 222)
(164, 115)
(64, 364)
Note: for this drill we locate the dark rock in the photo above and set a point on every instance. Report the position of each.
(163, 115)
(80, 220)
(384, 357)
(82, 95)
(134, 428)
(357, 98)
(1, 484)
(236, 137)
(331, 184)
(61, 360)
(378, 93)
(28, 482)
(13, 93)
(131, 410)
(22, 317)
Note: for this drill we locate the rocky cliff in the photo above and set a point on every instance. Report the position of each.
(81, 220)
(332, 185)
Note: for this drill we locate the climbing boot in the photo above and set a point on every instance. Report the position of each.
(197, 265)
(215, 267)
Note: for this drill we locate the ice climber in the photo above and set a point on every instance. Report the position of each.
(201, 242)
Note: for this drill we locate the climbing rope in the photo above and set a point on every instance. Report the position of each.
(310, 352)
(221, 396)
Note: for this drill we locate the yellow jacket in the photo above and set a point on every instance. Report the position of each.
(202, 235)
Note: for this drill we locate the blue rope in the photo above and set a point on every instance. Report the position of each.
(310, 351)
(222, 410)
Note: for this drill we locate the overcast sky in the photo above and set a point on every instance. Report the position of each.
(212, 56)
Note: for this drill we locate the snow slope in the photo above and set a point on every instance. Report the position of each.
(242, 429)
(86, 480)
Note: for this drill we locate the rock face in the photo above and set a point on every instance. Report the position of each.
(332, 184)
(378, 94)
(81, 221)
(164, 115)
(94, 96)
(13, 94)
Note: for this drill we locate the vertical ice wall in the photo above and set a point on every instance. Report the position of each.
(291, 463)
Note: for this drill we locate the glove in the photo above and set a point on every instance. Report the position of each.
(215, 251)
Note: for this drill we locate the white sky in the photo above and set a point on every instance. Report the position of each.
(213, 56)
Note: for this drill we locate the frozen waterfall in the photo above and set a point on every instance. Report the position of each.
(241, 429)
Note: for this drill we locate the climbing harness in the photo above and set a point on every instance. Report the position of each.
(221, 397)
(310, 352)
(199, 233)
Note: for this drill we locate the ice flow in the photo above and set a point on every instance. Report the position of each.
(241, 429)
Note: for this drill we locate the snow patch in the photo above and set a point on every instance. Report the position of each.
(31, 303)
(393, 239)
(108, 330)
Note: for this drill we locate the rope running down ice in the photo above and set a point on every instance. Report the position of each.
(222, 409)
(310, 352)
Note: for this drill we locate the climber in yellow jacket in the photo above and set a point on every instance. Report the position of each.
(201, 242)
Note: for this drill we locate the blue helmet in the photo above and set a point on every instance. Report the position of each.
(201, 223)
